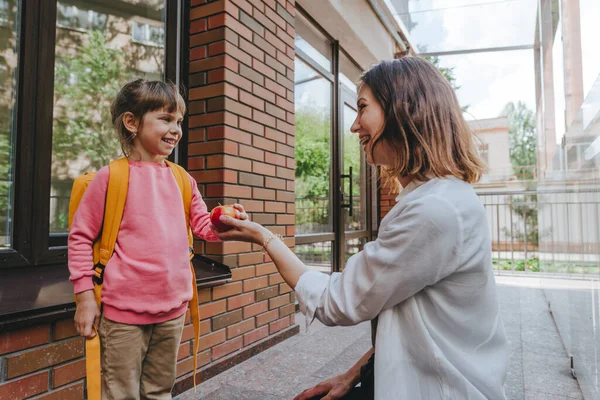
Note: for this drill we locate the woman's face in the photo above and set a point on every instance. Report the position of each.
(369, 124)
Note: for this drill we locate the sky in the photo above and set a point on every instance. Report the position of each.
(489, 80)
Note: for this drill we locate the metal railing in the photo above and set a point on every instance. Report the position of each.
(555, 232)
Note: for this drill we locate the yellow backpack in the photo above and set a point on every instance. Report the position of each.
(116, 194)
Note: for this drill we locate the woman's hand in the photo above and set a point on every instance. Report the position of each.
(243, 230)
(334, 388)
(240, 212)
(87, 314)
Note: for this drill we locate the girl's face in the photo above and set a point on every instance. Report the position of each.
(369, 124)
(158, 135)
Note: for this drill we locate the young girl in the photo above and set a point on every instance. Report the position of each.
(427, 280)
(147, 282)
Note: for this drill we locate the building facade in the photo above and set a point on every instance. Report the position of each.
(270, 87)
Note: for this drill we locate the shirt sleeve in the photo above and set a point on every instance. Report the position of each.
(85, 229)
(200, 216)
(417, 248)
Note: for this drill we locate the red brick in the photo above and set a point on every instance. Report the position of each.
(197, 53)
(251, 100)
(263, 169)
(24, 338)
(213, 63)
(251, 152)
(230, 289)
(291, 9)
(287, 310)
(185, 350)
(244, 5)
(263, 69)
(213, 147)
(224, 248)
(238, 274)
(226, 161)
(238, 54)
(188, 330)
(284, 288)
(264, 144)
(276, 159)
(283, 58)
(275, 279)
(279, 301)
(198, 26)
(274, 40)
(197, 135)
(286, 173)
(250, 126)
(212, 339)
(252, 206)
(286, 219)
(195, 163)
(275, 87)
(218, 89)
(227, 348)
(240, 328)
(229, 133)
(291, 208)
(227, 20)
(275, 207)
(275, 17)
(215, 175)
(291, 163)
(255, 309)
(227, 190)
(263, 194)
(71, 392)
(252, 49)
(279, 325)
(285, 150)
(274, 183)
(208, 9)
(256, 283)
(68, 373)
(216, 48)
(265, 269)
(290, 230)
(275, 135)
(263, 118)
(240, 301)
(270, 3)
(43, 357)
(256, 335)
(285, 127)
(212, 309)
(25, 387)
(204, 295)
(263, 93)
(267, 317)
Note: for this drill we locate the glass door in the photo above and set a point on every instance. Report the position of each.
(355, 187)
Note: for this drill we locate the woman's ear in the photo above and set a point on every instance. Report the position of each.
(131, 123)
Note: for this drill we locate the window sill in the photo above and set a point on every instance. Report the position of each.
(37, 295)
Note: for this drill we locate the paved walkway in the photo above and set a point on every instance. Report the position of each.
(539, 368)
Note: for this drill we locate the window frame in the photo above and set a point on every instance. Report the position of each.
(37, 257)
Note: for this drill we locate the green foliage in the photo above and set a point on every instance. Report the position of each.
(448, 72)
(523, 138)
(85, 85)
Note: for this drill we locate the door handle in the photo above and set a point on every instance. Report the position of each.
(350, 204)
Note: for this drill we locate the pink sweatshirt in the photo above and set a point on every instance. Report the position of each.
(148, 278)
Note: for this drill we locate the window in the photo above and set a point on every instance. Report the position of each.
(483, 153)
(72, 17)
(61, 84)
(148, 34)
(8, 82)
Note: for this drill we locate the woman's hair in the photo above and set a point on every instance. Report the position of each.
(140, 97)
(424, 124)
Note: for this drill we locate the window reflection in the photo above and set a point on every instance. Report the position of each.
(9, 45)
(97, 52)
(313, 150)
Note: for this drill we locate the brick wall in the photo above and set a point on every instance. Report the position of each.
(241, 149)
(45, 360)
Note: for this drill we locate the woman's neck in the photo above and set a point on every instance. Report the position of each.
(405, 180)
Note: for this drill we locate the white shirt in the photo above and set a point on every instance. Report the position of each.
(429, 279)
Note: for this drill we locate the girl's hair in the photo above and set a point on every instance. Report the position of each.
(424, 124)
(140, 97)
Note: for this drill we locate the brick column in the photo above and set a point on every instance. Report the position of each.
(241, 149)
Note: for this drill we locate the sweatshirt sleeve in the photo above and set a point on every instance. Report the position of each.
(200, 216)
(86, 227)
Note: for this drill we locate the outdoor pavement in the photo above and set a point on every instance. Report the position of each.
(539, 367)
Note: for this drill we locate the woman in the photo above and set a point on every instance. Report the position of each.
(427, 279)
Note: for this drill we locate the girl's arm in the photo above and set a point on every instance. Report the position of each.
(86, 227)
(200, 216)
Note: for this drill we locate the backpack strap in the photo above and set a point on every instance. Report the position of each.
(116, 195)
(183, 181)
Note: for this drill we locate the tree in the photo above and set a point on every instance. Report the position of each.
(85, 85)
(523, 138)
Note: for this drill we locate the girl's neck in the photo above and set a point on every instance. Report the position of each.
(142, 156)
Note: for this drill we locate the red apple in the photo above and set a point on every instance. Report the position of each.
(215, 216)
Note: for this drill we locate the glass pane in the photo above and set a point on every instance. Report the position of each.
(316, 256)
(313, 150)
(452, 25)
(352, 247)
(93, 61)
(349, 73)
(353, 158)
(9, 42)
(312, 42)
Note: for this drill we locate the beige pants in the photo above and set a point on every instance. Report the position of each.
(139, 361)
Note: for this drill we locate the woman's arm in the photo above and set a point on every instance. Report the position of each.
(418, 248)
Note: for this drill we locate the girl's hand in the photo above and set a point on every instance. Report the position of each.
(87, 314)
(243, 230)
